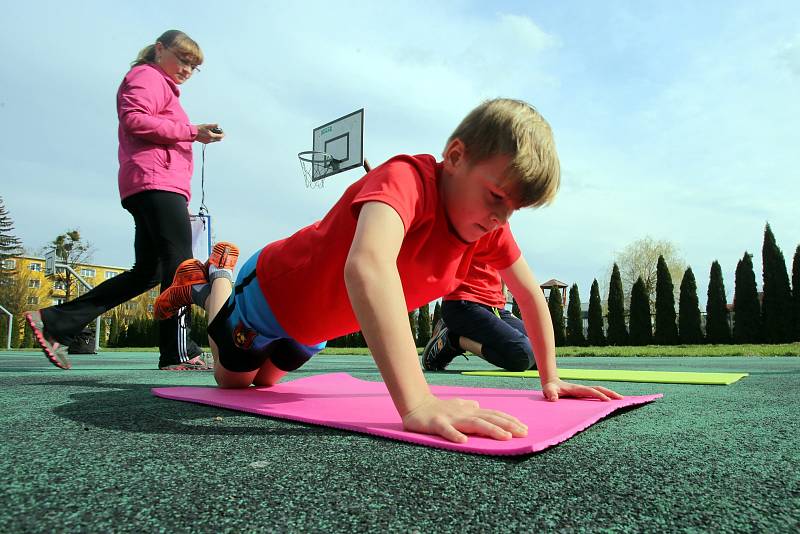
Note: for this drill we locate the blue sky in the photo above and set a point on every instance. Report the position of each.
(675, 120)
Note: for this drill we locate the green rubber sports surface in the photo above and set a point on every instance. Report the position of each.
(621, 375)
(91, 450)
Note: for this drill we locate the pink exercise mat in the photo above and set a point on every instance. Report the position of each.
(338, 400)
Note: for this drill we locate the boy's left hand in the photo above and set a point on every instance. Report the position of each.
(558, 388)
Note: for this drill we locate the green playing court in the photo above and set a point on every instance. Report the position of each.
(91, 449)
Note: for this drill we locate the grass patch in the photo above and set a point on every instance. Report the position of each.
(788, 349)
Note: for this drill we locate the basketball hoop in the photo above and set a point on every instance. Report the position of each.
(316, 166)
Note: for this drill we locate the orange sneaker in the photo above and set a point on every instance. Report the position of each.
(223, 256)
(179, 294)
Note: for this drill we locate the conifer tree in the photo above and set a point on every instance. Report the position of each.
(3, 330)
(412, 322)
(122, 338)
(796, 293)
(666, 326)
(113, 334)
(776, 308)
(103, 332)
(198, 328)
(515, 309)
(423, 325)
(18, 333)
(689, 330)
(718, 330)
(746, 308)
(617, 332)
(10, 244)
(641, 325)
(597, 337)
(554, 303)
(27, 338)
(575, 335)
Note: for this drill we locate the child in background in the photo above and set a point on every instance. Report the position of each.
(401, 236)
(474, 318)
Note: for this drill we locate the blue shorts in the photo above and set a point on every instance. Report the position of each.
(247, 333)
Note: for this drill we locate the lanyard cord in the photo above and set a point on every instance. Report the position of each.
(203, 208)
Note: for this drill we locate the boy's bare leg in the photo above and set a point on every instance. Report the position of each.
(473, 346)
(268, 375)
(220, 293)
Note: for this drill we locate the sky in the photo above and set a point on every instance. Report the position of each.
(674, 120)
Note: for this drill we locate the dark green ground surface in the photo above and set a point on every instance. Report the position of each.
(91, 449)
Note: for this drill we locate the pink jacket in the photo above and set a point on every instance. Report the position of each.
(155, 136)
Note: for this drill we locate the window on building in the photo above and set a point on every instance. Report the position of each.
(9, 264)
(150, 308)
(61, 270)
(88, 273)
(34, 284)
(59, 300)
(35, 267)
(60, 285)
(33, 300)
(110, 275)
(153, 293)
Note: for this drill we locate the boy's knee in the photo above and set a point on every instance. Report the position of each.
(519, 356)
(228, 380)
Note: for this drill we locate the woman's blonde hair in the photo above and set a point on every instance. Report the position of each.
(514, 128)
(176, 40)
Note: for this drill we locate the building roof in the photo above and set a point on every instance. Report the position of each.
(553, 283)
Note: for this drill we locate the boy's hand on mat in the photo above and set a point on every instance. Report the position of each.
(453, 418)
(558, 388)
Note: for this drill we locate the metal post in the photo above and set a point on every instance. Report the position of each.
(89, 287)
(10, 326)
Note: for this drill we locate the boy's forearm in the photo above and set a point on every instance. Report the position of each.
(376, 295)
(539, 325)
(536, 315)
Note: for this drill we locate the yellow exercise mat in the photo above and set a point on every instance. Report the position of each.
(615, 375)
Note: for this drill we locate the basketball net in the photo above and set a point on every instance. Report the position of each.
(316, 165)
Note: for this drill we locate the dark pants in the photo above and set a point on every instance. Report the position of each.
(502, 335)
(163, 240)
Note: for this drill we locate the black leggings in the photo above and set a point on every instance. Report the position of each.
(501, 334)
(162, 241)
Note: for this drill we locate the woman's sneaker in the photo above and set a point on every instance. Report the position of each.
(191, 272)
(198, 363)
(55, 351)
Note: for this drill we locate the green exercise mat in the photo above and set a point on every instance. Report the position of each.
(616, 375)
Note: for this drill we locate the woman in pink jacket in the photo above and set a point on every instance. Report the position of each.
(155, 172)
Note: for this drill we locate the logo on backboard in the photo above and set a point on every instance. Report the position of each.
(243, 337)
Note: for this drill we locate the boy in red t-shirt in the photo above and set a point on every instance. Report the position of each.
(399, 237)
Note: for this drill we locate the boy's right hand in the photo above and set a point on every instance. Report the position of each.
(453, 418)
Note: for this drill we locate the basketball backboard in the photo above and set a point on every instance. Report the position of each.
(343, 139)
(50, 262)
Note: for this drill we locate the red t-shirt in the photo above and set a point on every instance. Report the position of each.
(302, 276)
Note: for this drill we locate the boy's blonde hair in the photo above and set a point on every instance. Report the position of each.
(514, 128)
(176, 40)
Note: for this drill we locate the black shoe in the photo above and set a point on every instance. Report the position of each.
(439, 352)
